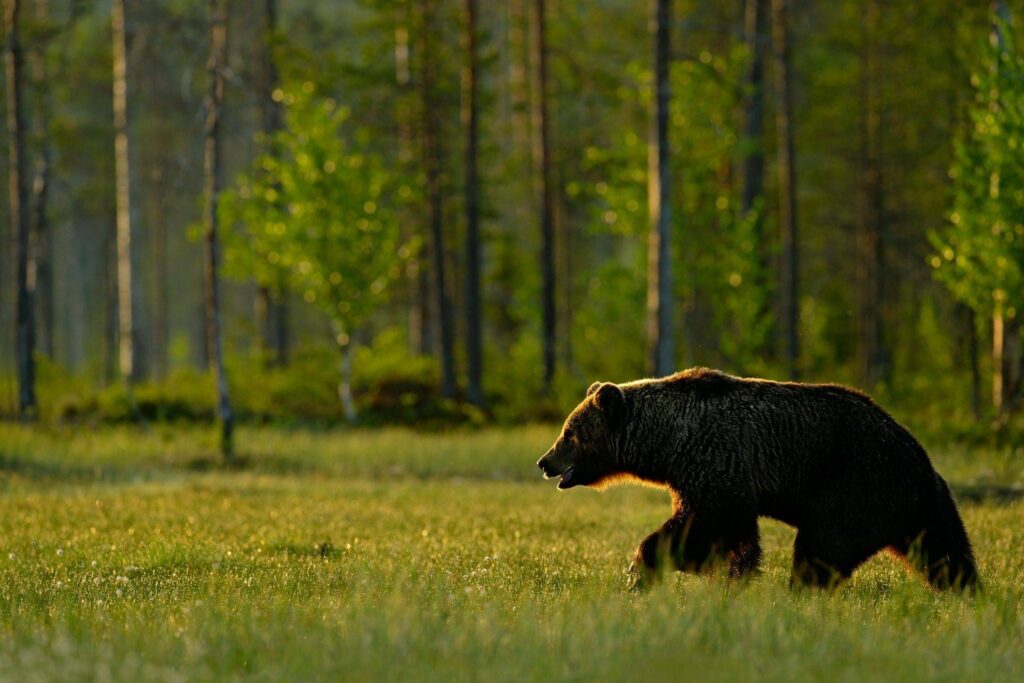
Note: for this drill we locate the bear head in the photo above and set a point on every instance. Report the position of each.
(585, 453)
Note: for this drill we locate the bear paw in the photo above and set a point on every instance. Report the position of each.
(639, 579)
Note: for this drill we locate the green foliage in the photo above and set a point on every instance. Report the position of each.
(609, 325)
(743, 291)
(386, 555)
(981, 254)
(719, 252)
(317, 214)
(720, 249)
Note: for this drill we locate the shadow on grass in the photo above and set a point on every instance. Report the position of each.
(14, 467)
(272, 464)
(991, 494)
(41, 470)
(63, 471)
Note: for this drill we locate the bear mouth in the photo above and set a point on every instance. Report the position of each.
(565, 481)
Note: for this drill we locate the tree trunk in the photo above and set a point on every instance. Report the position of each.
(110, 302)
(972, 350)
(542, 158)
(272, 114)
(753, 107)
(126, 334)
(281, 321)
(789, 257)
(423, 318)
(75, 326)
(564, 276)
(1011, 362)
(261, 314)
(159, 246)
(433, 160)
(348, 404)
(997, 360)
(18, 204)
(416, 317)
(1006, 360)
(874, 357)
(753, 147)
(274, 321)
(212, 175)
(270, 309)
(1005, 332)
(660, 330)
(474, 349)
(41, 256)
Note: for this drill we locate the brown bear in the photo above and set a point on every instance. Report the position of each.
(820, 457)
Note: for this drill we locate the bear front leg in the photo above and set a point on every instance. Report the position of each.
(744, 556)
(698, 543)
(654, 553)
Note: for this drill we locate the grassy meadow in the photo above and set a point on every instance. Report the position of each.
(128, 554)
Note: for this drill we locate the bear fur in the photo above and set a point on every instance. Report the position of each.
(820, 457)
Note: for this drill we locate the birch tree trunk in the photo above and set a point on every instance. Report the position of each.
(660, 330)
(17, 173)
(789, 256)
(474, 351)
(1006, 361)
(126, 335)
(213, 182)
(348, 404)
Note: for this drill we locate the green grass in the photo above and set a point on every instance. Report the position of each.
(388, 555)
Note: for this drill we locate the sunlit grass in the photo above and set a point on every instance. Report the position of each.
(395, 556)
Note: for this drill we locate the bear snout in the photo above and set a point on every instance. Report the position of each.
(548, 467)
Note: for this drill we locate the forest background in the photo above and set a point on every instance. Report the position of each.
(466, 212)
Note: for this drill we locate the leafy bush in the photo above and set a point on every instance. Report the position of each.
(392, 387)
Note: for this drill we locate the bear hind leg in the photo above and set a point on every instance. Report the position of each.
(941, 552)
(943, 561)
(943, 569)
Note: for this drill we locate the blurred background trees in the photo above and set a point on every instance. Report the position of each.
(482, 239)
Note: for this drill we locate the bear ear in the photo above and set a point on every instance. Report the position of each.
(593, 387)
(610, 400)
